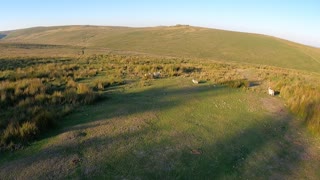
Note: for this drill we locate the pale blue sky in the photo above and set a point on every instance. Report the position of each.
(297, 20)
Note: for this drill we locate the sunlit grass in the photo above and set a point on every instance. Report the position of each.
(177, 41)
(149, 127)
(171, 129)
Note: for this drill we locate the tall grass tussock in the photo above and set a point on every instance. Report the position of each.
(35, 96)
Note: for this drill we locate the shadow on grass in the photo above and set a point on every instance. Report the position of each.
(119, 104)
(140, 151)
(276, 93)
(254, 83)
(238, 83)
(238, 156)
(242, 155)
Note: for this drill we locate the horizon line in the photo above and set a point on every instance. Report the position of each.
(187, 25)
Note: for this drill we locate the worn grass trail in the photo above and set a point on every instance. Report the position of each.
(171, 129)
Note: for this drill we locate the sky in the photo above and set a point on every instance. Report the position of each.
(296, 20)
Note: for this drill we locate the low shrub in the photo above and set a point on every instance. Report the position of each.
(11, 134)
(83, 89)
(99, 85)
(88, 98)
(28, 131)
(70, 96)
(44, 120)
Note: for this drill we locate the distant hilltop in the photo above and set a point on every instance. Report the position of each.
(178, 40)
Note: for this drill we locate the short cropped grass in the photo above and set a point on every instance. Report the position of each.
(178, 41)
(171, 129)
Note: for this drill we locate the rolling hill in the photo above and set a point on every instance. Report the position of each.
(180, 40)
(66, 114)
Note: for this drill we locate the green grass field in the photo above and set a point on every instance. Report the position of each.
(168, 130)
(80, 102)
(180, 41)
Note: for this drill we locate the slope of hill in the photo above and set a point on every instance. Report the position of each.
(147, 127)
(186, 41)
(171, 130)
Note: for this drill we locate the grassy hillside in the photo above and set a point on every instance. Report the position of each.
(172, 129)
(186, 41)
(103, 116)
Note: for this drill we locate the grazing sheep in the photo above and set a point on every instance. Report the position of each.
(270, 92)
(195, 81)
(156, 74)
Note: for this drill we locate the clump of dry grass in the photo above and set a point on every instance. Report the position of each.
(304, 100)
(300, 90)
(34, 97)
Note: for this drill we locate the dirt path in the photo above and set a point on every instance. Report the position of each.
(306, 147)
(81, 149)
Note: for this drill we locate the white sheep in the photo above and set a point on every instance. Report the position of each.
(195, 81)
(156, 74)
(270, 92)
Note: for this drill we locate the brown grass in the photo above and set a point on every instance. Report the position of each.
(34, 96)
